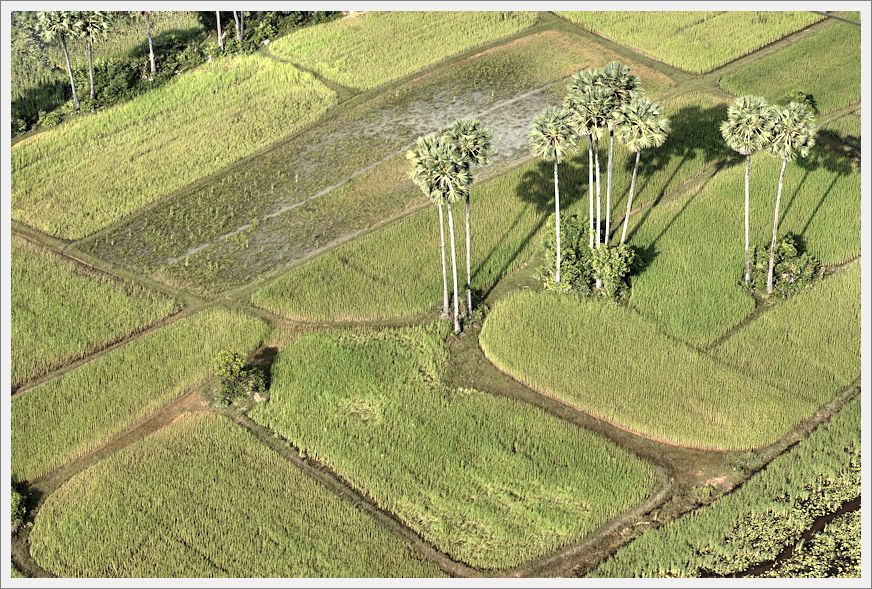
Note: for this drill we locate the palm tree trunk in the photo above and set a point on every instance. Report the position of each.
(220, 36)
(468, 262)
(770, 276)
(454, 269)
(747, 219)
(630, 198)
(91, 67)
(598, 211)
(557, 220)
(590, 188)
(150, 44)
(609, 186)
(241, 25)
(63, 40)
(444, 268)
(238, 26)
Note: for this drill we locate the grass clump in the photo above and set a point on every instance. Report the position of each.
(81, 410)
(808, 64)
(203, 498)
(610, 362)
(88, 310)
(488, 480)
(756, 522)
(698, 41)
(81, 177)
(367, 51)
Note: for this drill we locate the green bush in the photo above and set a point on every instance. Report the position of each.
(238, 378)
(794, 268)
(601, 270)
(18, 509)
(51, 119)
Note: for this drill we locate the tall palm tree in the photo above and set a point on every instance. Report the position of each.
(473, 141)
(421, 158)
(642, 127)
(575, 102)
(552, 138)
(600, 103)
(59, 26)
(93, 26)
(147, 15)
(615, 77)
(793, 134)
(239, 22)
(747, 130)
(220, 35)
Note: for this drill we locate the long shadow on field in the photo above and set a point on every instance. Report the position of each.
(695, 133)
(166, 43)
(536, 190)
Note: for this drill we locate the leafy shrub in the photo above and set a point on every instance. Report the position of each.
(18, 509)
(584, 270)
(238, 377)
(794, 268)
(19, 126)
(51, 119)
(801, 97)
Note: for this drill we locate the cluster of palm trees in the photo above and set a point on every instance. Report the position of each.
(441, 166)
(783, 131)
(602, 102)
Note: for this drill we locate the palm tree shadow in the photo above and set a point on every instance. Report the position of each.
(695, 133)
(832, 161)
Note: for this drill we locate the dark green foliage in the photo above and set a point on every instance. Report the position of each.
(239, 379)
(18, 509)
(582, 266)
(801, 97)
(794, 267)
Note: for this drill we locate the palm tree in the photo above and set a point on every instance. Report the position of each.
(421, 158)
(793, 135)
(617, 78)
(575, 102)
(147, 15)
(642, 127)
(93, 26)
(473, 141)
(59, 26)
(599, 103)
(238, 20)
(220, 36)
(552, 138)
(747, 130)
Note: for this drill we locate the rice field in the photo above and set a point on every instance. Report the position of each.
(488, 480)
(696, 42)
(202, 498)
(358, 281)
(608, 361)
(825, 65)
(285, 186)
(366, 51)
(846, 127)
(810, 342)
(78, 178)
(691, 284)
(81, 410)
(88, 310)
(754, 523)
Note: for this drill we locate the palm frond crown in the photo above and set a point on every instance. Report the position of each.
(552, 136)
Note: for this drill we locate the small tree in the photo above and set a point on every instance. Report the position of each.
(60, 26)
(18, 509)
(237, 376)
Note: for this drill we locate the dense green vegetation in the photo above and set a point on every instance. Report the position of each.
(81, 410)
(610, 362)
(202, 498)
(39, 81)
(825, 65)
(753, 524)
(488, 480)
(832, 552)
(357, 282)
(88, 310)
(66, 181)
(693, 41)
(288, 183)
(821, 199)
(809, 344)
(366, 51)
